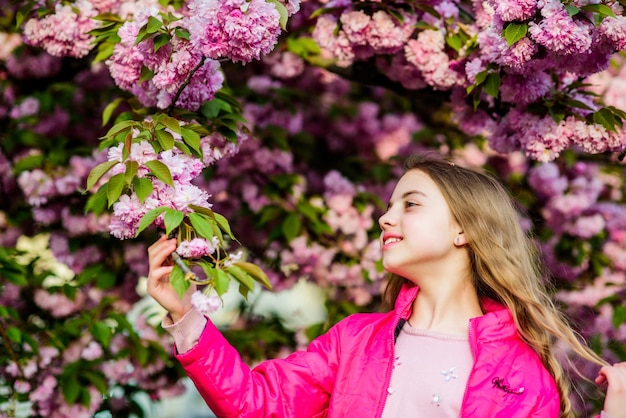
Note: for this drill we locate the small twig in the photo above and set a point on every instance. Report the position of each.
(7, 344)
(189, 275)
(185, 84)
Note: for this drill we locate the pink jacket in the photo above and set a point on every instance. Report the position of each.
(346, 371)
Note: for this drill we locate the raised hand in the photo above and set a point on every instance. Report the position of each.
(159, 286)
(615, 401)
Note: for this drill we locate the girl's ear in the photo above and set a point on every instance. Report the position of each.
(460, 239)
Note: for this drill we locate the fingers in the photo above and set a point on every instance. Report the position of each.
(615, 400)
(615, 375)
(160, 251)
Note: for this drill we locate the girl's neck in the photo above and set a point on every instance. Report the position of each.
(446, 308)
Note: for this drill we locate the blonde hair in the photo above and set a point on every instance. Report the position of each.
(505, 263)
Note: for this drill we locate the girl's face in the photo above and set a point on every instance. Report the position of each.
(418, 230)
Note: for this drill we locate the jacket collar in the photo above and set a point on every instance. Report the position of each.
(495, 324)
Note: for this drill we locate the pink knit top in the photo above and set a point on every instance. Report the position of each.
(429, 374)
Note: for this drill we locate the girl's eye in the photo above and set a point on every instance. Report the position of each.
(409, 204)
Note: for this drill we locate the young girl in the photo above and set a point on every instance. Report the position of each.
(469, 331)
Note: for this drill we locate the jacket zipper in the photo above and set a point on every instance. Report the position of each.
(391, 345)
(473, 347)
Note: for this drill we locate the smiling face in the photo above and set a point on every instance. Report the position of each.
(418, 230)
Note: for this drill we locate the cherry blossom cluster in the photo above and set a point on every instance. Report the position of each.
(174, 65)
(556, 45)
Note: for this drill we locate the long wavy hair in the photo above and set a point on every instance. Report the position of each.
(505, 263)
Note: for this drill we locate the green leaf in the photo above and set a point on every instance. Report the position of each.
(492, 84)
(256, 272)
(160, 41)
(70, 388)
(172, 219)
(605, 118)
(148, 218)
(601, 9)
(131, 171)
(97, 202)
(14, 334)
(166, 139)
(221, 281)
(428, 9)
(455, 42)
(282, 11)
(109, 109)
(557, 113)
(171, 123)
(291, 226)
(97, 379)
(126, 125)
(98, 171)
(211, 109)
(106, 280)
(619, 113)
(191, 138)
(177, 279)
(476, 98)
(161, 171)
(102, 333)
(224, 225)
(577, 104)
(619, 315)
(241, 276)
(481, 77)
(182, 33)
(310, 45)
(146, 74)
(115, 187)
(29, 162)
(153, 25)
(142, 187)
(571, 10)
(513, 32)
(201, 225)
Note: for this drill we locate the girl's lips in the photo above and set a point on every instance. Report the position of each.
(389, 240)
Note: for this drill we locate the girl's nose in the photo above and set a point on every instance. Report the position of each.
(386, 220)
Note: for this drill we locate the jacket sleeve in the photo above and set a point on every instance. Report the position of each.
(297, 386)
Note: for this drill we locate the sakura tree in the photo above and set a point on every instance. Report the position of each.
(266, 135)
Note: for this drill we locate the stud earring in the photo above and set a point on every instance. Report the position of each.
(457, 240)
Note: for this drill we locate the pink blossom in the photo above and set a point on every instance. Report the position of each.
(519, 56)
(8, 42)
(587, 226)
(183, 167)
(558, 32)
(614, 29)
(44, 391)
(546, 180)
(206, 304)
(399, 69)
(354, 25)
(285, 64)
(239, 30)
(64, 32)
(37, 185)
(593, 138)
(28, 107)
(525, 90)
(510, 10)
(93, 351)
(338, 46)
(386, 35)
(58, 304)
(196, 248)
(22, 386)
(427, 54)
